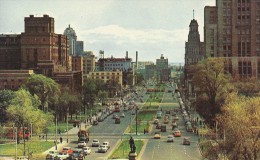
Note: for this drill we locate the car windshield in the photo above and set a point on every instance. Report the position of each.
(95, 140)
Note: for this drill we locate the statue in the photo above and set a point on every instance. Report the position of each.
(132, 145)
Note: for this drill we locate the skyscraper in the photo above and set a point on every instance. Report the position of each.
(232, 31)
(194, 52)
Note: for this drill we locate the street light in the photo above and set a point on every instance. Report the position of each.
(67, 129)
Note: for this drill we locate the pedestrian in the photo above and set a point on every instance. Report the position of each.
(60, 139)
(144, 131)
(59, 131)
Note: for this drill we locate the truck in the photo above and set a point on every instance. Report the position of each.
(83, 135)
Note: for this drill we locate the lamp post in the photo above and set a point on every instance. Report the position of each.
(56, 132)
(15, 142)
(67, 129)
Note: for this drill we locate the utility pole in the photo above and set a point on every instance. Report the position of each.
(15, 143)
(56, 133)
(67, 130)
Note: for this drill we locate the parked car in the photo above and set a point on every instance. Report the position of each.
(177, 133)
(157, 135)
(170, 138)
(67, 150)
(95, 143)
(95, 122)
(186, 141)
(86, 150)
(156, 121)
(158, 126)
(102, 149)
(82, 144)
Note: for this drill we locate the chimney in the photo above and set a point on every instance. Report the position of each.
(126, 55)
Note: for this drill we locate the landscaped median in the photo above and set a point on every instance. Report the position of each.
(35, 148)
(123, 149)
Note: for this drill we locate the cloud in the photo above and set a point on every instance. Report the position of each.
(115, 40)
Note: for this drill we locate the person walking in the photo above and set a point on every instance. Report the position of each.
(60, 139)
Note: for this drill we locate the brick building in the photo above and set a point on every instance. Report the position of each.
(13, 79)
(38, 48)
(10, 45)
(232, 31)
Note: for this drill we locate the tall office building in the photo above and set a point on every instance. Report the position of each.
(232, 31)
(162, 68)
(194, 52)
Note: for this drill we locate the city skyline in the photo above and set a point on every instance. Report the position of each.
(152, 28)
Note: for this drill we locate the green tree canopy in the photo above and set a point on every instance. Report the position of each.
(5, 99)
(240, 124)
(23, 110)
(210, 84)
(45, 88)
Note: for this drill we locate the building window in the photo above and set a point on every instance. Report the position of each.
(245, 69)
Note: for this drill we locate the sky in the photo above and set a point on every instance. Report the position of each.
(151, 27)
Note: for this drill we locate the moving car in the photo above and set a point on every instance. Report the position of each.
(157, 135)
(86, 150)
(177, 133)
(67, 150)
(117, 121)
(95, 143)
(170, 138)
(78, 154)
(102, 149)
(51, 155)
(159, 114)
(122, 115)
(61, 156)
(106, 143)
(82, 144)
(186, 141)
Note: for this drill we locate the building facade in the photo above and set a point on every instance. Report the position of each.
(106, 76)
(13, 79)
(39, 49)
(10, 45)
(162, 68)
(194, 52)
(236, 36)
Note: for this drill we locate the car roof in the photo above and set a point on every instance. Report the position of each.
(95, 139)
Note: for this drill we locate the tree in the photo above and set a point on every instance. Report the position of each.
(69, 103)
(89, 93)
(248, 87)
(113, 87)
(240, 124)
(5, 99)
(210, 84)
(45, 88)
(23, 110)
(102, 95)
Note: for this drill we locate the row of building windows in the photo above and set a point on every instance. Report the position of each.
(114, 64)
(108, 73)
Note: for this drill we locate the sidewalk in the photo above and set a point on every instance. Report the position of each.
(74, 130)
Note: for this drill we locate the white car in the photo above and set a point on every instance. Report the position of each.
(170, 138)
(61, 156)
(51, 155)
(82, 144)
(102, 149)
(95, 143)
(106, 144)
(86, 150)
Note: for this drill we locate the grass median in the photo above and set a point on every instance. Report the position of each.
(123, 149)
(146, 115)
(35, 147)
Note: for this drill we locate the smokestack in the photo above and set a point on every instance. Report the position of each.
(126, 55)
(136, 61)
